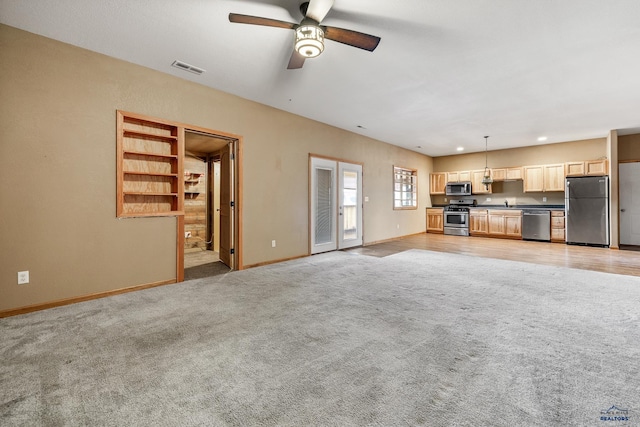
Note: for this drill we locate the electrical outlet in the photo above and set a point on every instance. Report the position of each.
(544, 199)
(273, 243)
(488, 199)
(187, 234)
(23, 277)
(445, 199)
(366, 198)
(398, 226)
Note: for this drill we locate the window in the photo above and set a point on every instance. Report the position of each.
(405, 188)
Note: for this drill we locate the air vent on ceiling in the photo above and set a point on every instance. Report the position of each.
(186, 67)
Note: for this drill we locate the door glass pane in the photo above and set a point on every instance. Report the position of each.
(324, 206)
(350, 205)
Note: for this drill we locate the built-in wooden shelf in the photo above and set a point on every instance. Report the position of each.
(149, 173)
(149, 154)
(139, 134)
(149, 167)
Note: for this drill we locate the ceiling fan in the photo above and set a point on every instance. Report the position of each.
(309, 34)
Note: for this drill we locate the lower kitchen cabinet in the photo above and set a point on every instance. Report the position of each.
(478, 222)
(435, 220)
(557, 227)
(505, 223)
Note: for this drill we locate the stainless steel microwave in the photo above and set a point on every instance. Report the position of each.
(458, 188)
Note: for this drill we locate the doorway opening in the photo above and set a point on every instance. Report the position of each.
(629, 203)
(209, 177)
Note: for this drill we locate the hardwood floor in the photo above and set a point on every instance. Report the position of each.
(581, 257)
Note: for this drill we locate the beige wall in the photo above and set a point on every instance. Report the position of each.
(512, 192)
(58, 172)
(590, 149)
(629, 147)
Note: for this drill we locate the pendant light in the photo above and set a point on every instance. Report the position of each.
(486, 179)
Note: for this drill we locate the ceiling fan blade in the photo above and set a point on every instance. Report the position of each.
(256, 20)
(318, 9)
(296, 61)
(352, 38)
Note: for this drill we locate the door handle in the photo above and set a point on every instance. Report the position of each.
(623, 210)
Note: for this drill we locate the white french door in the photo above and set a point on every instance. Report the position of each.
(336, 205)
(349, 205)
(629, 175)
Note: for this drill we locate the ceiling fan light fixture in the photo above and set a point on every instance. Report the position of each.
(309, 40)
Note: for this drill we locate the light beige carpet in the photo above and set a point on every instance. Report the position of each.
(416, 338)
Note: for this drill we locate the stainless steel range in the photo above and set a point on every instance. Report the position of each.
(456, 217)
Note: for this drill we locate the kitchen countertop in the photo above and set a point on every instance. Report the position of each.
(529, 207)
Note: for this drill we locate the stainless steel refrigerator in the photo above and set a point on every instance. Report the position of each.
(587, 210)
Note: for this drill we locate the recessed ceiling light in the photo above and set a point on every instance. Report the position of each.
(460, 149)
(542, 138)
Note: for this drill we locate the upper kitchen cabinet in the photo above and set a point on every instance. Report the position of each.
(506, 174)
(554, 177)
(596, 167)
(574, 169)
(477, 187)
(437, 183)
(587, 168)
(533, 179)
(543, 178)
(459, 176)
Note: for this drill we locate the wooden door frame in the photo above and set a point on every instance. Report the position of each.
(237, 196)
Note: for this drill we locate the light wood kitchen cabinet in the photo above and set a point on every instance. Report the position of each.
(533, 179)
(587, 168)
(596, 167)
(574, 168)
(505, 223)
(459, 176)
(478, 222)
(437, 182)
(542, 178)
(506, 174)
(514, 174)
(553, 177)
(435, 220)
(477, 187)
(557, 227)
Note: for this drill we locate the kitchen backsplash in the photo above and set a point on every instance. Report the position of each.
(511, 191)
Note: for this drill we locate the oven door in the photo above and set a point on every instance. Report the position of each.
(456, 223)
(456, 219)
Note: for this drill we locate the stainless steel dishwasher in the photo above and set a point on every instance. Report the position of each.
(536, 225)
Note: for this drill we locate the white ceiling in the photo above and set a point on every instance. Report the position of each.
(446, 73)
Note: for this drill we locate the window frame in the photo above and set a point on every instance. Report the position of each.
(400, 174)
